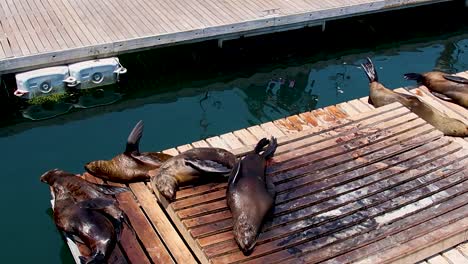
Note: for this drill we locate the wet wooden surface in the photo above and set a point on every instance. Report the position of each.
(365, 184)
(352, 181)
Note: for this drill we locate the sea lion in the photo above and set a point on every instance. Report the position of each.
(80, 190)
(251, 195)
(130, 166)
(86, 222)
(380, 95)
(190, 166)
(451, 86)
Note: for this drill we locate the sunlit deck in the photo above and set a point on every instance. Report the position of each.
(354, 184)
(39, 33)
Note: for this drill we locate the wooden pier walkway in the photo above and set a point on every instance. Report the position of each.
(38, 33)
(354, 184)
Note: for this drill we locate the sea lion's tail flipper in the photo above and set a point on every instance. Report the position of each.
(110, 190)
(457, 79)
(413, 76)
(133, 140)
(260, 145)
(369, 69)
(270, 150)
(209, 166)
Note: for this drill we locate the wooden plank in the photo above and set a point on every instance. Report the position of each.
(72, 28)
(438, 259)
(463, 248)
(451, 234)
(348, 109)
(283, 243)
(375, 236)
(33, 27)
(168, 234)
(55, 39)
(145, 232)
(217, 142)
(14, 26)
(58, 29)
(26, 28)
(245, 137)
(96, 31)
(359, 192)
(454, 256)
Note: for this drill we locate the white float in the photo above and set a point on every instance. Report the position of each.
(95, 73)
(41, 82)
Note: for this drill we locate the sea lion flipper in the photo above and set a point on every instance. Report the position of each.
(441, 96)
(96, 203)
(110, 190)
(457, 79)
(209, 166)
(133, 140)
(154, 159)
(369, 69)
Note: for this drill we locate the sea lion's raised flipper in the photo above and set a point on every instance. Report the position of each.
(110, 190)
(369, 69)
(261, 144)
(208, 166)
(133, 140)
(457, 79)
(413, 76)
(270, 150)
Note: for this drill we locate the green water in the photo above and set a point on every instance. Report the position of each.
(191, 92)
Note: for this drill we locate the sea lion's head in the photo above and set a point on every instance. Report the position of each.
(50, 176)
(246, 232)
(98, 167)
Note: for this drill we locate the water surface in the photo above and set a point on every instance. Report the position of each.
(192, 92)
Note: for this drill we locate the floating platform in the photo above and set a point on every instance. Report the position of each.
(354, 184)
(36, 34)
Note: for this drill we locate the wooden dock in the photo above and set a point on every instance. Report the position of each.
(354, 184)
(38, 33)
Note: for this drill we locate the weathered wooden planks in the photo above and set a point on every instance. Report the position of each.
(45, 32)
(338, 188)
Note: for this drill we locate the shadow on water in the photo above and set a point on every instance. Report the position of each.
(189, 92)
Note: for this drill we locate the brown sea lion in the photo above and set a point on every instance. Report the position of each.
(380, 96)
(80, 190)
(251, 195)
(86, 222)
(451, 86)
(192, 165)
(130, 166)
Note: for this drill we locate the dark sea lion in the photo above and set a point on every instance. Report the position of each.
(192, 165)
(251, 195)
(130, 166)
(86, 222)
(451, 86)
(380, 96)
(80, 190)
